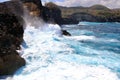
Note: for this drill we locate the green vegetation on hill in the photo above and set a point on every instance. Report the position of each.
(98, 12)
(99, 7)
(94, 10)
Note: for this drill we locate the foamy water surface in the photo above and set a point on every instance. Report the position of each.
(86, 55)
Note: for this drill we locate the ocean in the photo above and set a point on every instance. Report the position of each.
(91, 53)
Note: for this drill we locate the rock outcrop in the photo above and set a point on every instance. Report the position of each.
(52, 13)
(11, 36)
(66, 33)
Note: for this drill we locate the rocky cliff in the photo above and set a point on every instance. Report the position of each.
(11, 31)
(11, 36)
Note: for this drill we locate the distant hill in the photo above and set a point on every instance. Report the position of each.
(67, 11)
(98, 13)
(99, 7)
(78, 7)
(117, 9)
(70, 15)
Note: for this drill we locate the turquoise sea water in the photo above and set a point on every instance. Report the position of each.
(91, 53)
(102, 43)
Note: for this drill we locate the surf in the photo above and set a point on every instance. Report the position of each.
(52, 56)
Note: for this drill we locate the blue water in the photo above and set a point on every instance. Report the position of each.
(91, 53)
(103, 49)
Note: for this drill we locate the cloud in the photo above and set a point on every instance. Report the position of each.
(87, 3)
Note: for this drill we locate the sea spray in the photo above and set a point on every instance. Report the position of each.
(38, 23)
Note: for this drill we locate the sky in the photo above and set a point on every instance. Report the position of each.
(86, 3)
(3, 0)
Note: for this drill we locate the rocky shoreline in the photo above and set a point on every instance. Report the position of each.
(12, 29)
(11, 36)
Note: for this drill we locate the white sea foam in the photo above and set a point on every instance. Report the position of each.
(82, 23)
(46, 57)
(82, 37)
(89, 23)
(68, 71)
(92, 38)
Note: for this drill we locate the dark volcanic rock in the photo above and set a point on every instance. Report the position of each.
(64, 32)
(11, 36)
(12, 25)
(10, 62)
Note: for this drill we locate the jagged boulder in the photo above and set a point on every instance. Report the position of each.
(66, 33)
